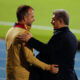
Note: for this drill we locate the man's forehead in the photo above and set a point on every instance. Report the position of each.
(53, 16)
(31, 11)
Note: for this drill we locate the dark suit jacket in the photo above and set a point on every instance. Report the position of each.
(60, 50)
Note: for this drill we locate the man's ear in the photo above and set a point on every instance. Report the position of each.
(61, 21)
(25, 19)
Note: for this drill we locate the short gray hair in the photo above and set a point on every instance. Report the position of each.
(62, 14)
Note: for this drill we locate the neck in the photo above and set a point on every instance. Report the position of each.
(60, 26)
(25, 25)
(21, 22)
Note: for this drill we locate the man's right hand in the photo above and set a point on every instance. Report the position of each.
(54, 69)
(25, 37)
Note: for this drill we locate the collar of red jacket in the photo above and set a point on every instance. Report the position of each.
(20, 25)
(24, 26)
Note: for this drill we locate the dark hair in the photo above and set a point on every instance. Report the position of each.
(21, 11)
(62, 14)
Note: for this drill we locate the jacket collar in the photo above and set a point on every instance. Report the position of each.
(63, 29)
(23, 26)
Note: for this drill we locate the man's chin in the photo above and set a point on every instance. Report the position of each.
(29, 25)
(52, 23)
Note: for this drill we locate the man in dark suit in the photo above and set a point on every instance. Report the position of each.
(60, 49)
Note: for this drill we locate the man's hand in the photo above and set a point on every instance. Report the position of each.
(54, 69)
(25, 37)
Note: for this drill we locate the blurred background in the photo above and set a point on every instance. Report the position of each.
(42, 28)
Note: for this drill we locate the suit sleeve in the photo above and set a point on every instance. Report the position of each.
(41, 47)
(33, 60)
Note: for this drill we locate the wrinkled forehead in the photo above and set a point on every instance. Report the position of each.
(31, 11)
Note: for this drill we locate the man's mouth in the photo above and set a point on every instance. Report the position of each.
(52, 22)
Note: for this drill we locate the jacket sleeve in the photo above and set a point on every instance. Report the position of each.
(33, 60)
(41, 47)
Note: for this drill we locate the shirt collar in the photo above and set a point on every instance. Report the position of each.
(23, 26)
(63, 29)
